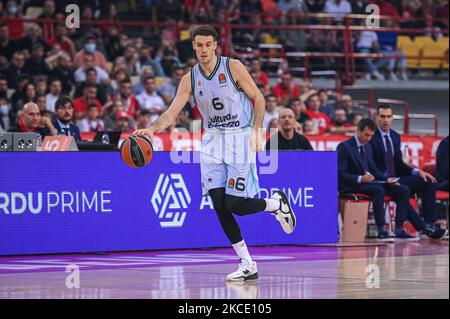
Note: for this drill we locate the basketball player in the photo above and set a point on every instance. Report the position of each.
(222, 89)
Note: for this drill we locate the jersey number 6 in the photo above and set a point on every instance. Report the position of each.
(217, 104)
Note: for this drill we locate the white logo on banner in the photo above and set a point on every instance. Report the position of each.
(170, 200)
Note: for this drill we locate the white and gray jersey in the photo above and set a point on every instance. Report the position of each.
(221, 102)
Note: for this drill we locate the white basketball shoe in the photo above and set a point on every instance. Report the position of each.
(285, 215)
(245, 272)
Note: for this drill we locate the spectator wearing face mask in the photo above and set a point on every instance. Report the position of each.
(90, 46)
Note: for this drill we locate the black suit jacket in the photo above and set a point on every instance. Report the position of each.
(442, 160)
(74, 130)
(401, 168)
(350, 165)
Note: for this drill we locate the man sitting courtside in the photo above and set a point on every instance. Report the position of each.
(30, 120)
(287, 137)
(388, 157)
(358, 173)
(64, 116)
(442, 165)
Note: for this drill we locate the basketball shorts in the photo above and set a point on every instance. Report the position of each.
(226, 160)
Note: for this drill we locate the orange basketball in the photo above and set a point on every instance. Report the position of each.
(136, 151)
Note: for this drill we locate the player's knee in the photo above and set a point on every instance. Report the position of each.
(234, 204)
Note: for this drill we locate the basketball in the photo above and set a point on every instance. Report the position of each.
(136, 151)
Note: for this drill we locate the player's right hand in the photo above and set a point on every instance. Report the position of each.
(146, 131)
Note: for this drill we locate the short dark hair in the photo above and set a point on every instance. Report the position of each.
(383, 106)
(90, 70)
(62, 101)
(150, 77)
(367, 123)
(90, 86)
(311, 96)
(205, 30)
(91, 106)
(270, 95)
(144, 113)
(176, 68)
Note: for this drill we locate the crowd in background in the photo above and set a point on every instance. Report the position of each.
(120, 81)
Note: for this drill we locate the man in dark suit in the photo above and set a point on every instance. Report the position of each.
(386, 146)
(64, 116)
(442, 165)
(358, 173)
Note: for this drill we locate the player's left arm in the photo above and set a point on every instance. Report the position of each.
(246, 83)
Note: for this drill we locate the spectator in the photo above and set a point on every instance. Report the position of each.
(326, 106)
(285, 89)
(183, 121)
(124, 123)
(90, 47)
(315, 6)
(62, 71)
(119, 75)
(27, 94)
(53, 95)
(357, 171)
(50, 14)
(346, 102)
(81, 104)
(129, 100)
(41, 85)
(31, 121)
(388, 45)
(170, 11)
(386, 8)
(93, 122)
(290, 5)
(5, 109)
(339, 123)
(33, 35)
(261, 76)
(64, 108)
(321, 120)
(89, 62)
(339, 8)
(442, 165)
(169, 88)
(41, 102)
(111, 110)
(131, 56)
(62, 39)
(309, 127)
(294, 40)
(7, 45)
(272, 128)
(113, 46)
(36, 65)
(388, 156)
(359, 6)
(271, 112)
(15, 20)
(287, 137)
(271, 12)
(3, 87)
(143, 119)
(298, 106)
(15, 70)
(147, 71)
(368, 43)
(150, 100)
(91, 78)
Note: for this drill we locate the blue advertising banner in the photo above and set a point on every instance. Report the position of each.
(86, 202)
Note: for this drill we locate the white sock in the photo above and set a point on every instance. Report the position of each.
(272, 204)
(241, 250)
